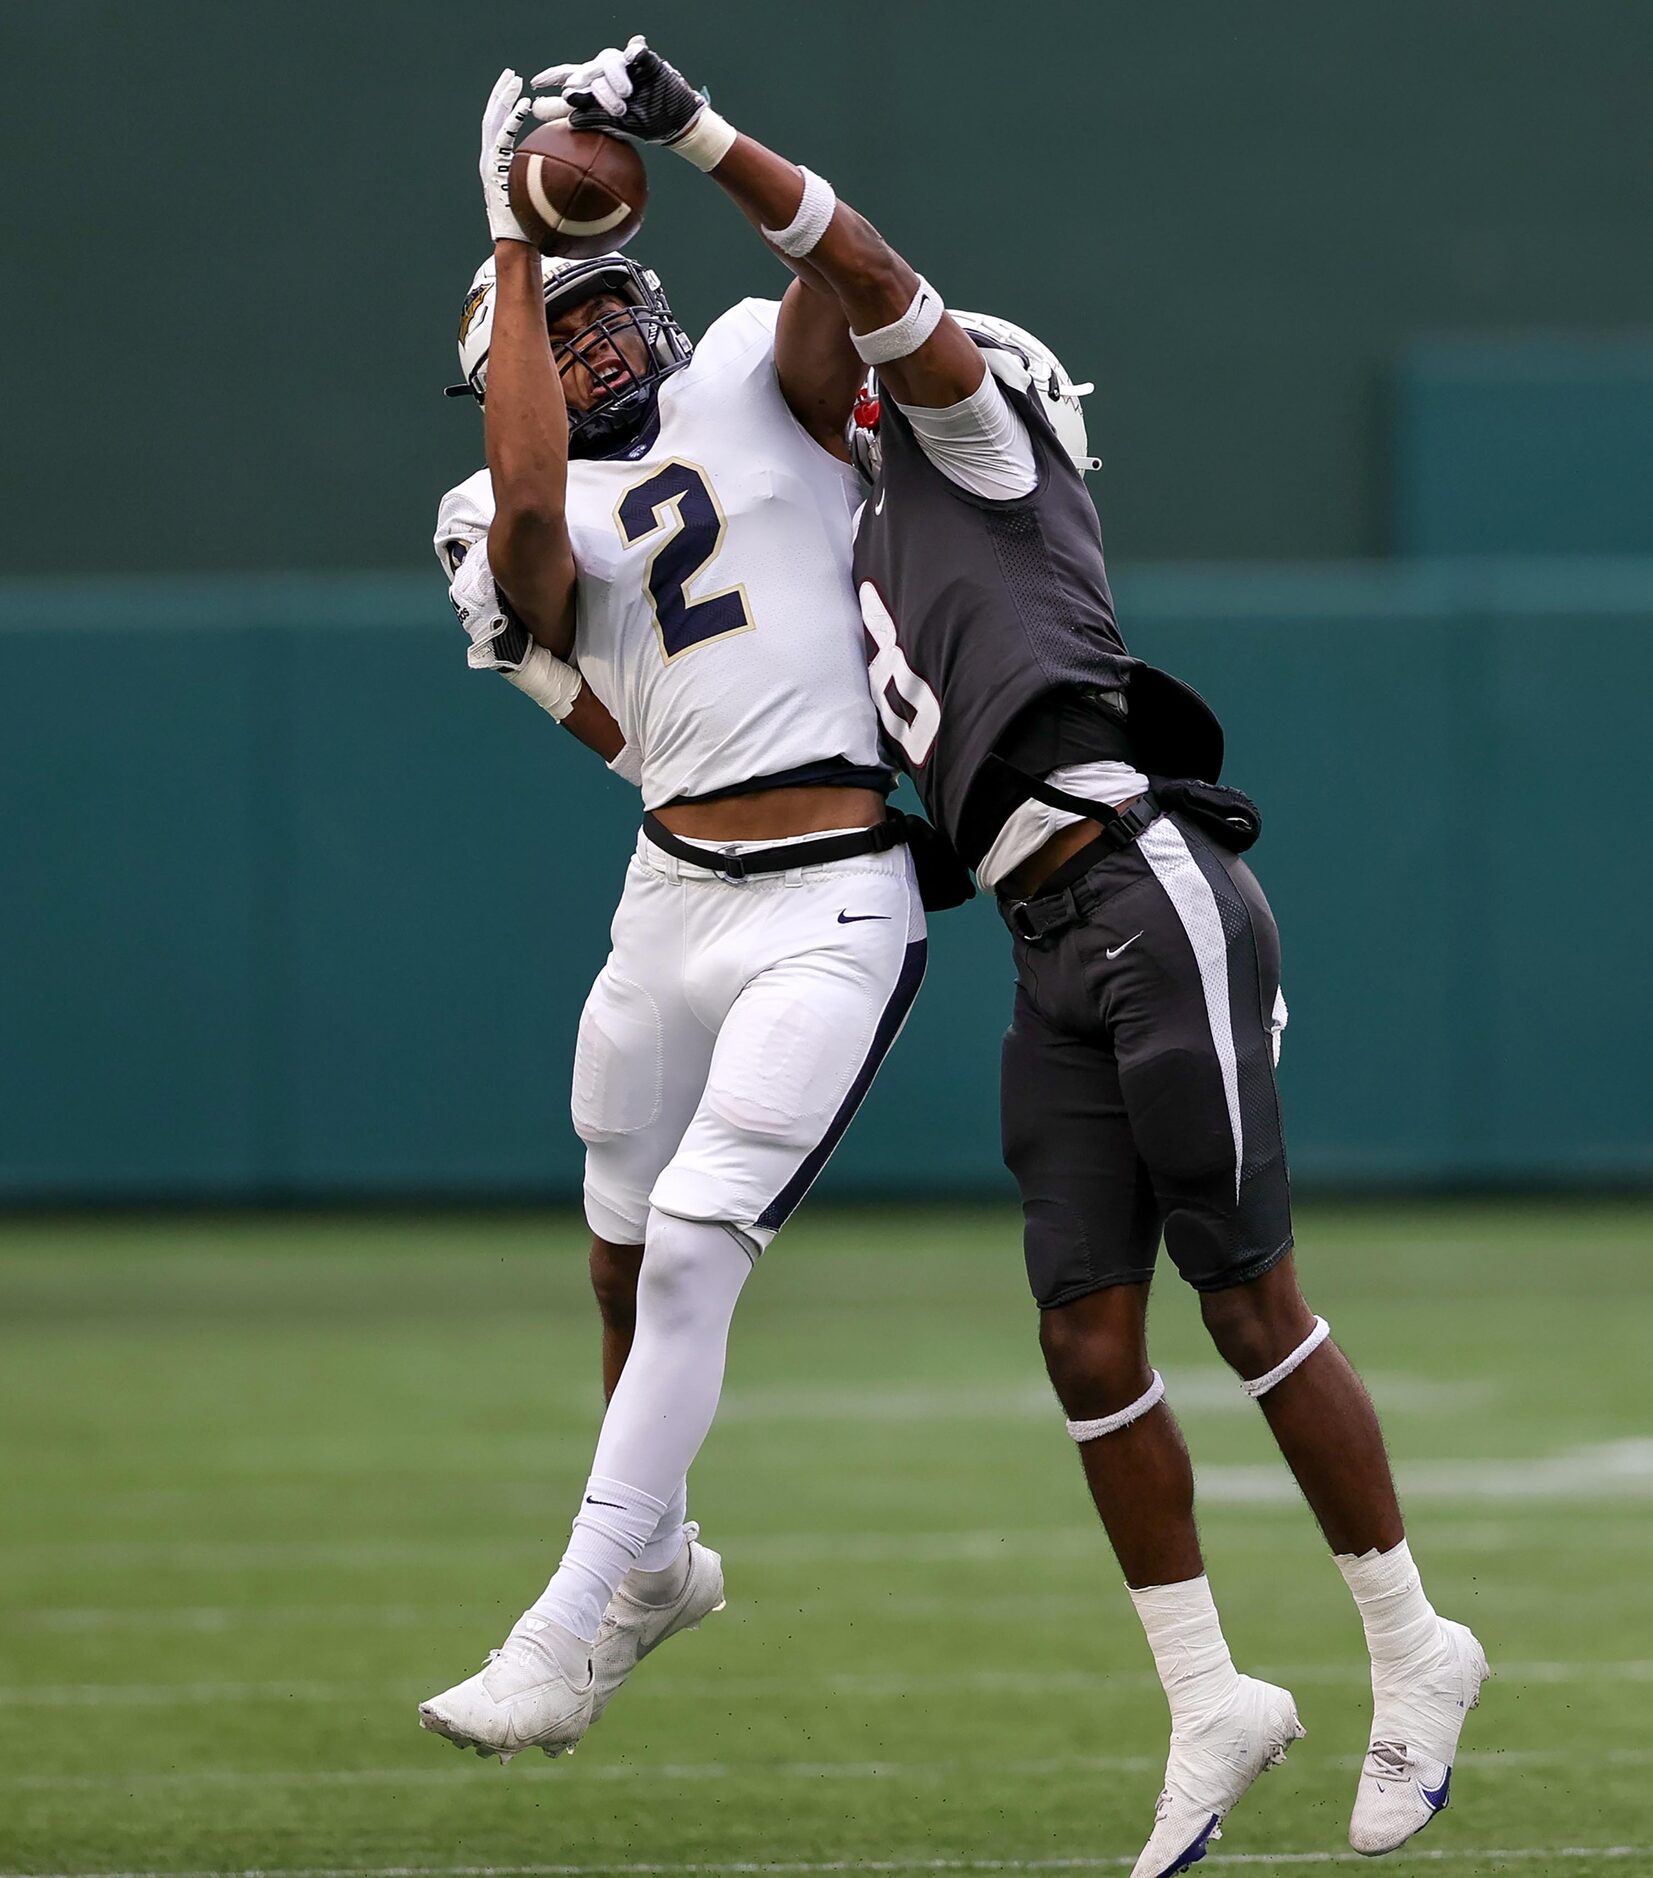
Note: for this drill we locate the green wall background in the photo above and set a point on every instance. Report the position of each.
(238, 237)
(307, 910)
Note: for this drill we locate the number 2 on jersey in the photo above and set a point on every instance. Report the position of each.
(678, 500)
(912, 715)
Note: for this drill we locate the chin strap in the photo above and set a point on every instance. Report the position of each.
(1111, 1424)
(1261, 1385)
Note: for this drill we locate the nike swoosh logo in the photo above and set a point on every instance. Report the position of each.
(1437, 1798)
(854, 919)
(614, 1503)
(1114, 951)
(878, 506)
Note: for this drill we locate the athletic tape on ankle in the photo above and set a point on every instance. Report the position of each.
(1111, 1424)
(903, 337)
(1262, 1384)
(706, 142)
(806, 228)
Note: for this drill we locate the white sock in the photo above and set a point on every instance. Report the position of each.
(659, 1414)
(1400, 1621)
(610, 1531)
(1190, 1652)
(665, 1548)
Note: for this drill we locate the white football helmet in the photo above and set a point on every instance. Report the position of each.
(1017, 358)
(564, 281)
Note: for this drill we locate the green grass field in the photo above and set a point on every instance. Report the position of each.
(263, 1483)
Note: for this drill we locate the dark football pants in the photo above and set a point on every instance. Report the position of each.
(1138, 1095)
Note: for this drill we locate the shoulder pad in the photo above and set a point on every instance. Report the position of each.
(746, 330)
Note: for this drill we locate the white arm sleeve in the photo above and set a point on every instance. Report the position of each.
(980, 443)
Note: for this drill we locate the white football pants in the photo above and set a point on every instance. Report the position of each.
(734, 1031)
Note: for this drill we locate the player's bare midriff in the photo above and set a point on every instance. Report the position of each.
(774, 814)
(1024, 881)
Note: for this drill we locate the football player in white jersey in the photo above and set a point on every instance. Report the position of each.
(1139, 1094)
(677, 521)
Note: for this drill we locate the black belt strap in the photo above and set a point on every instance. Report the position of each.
(1046, 915)
(807, 851)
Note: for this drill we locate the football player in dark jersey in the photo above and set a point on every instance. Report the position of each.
(1139, 1096)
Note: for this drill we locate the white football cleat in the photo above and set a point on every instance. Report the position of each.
(1211, 1765)
(632, 1628)
(1418, 1712)
(534, 1691)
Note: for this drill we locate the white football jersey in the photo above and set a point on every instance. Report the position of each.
(715, 614)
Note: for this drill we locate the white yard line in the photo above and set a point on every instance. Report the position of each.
(516, 1465)
(1009, 1682)
(1483, 1760)
(811, 1868)
(959, 1604)
(1616, 1471)
(75, 1620)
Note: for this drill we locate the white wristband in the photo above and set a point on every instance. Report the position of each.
(551, 682)
(815, 212)
(903, 337)
(706, 142)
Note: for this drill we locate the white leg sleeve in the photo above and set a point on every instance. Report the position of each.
(658, 1416)
(663, 1549)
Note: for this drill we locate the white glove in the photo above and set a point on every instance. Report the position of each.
(635, 93)
(506, 113)
(499, 643)
(605, 78)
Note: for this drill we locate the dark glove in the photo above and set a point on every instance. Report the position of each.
(634, 92)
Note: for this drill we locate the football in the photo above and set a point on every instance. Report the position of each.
(578, 192)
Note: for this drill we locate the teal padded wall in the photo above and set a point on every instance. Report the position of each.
(294, 906)
(1525, 446)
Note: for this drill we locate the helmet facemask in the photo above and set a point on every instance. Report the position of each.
(615, 421)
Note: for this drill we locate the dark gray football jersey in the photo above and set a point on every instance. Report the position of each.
(977, 609)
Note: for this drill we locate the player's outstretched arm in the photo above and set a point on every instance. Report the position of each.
(902, 328)
(525, 423)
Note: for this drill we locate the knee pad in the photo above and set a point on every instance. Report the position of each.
(767, 1075)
